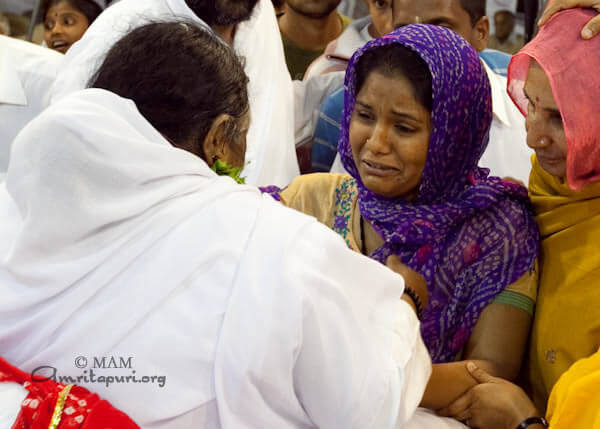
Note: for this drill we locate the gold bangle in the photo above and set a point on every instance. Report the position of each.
(60, 405)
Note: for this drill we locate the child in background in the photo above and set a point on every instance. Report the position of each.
(65, 21)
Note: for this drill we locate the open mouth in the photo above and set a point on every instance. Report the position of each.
(59, 45)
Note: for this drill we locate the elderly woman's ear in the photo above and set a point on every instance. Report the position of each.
(225, 141)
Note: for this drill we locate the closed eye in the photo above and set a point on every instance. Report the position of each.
(404, 129)
(364, 114)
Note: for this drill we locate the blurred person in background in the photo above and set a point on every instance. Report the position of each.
(355, 36)
(65, 21)
(505, 39)
(354, 9)
(307, 27)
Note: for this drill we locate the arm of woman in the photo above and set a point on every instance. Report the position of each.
(499, 339)
(496, 345)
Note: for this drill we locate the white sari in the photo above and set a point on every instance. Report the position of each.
(119, 245)
(270, 156)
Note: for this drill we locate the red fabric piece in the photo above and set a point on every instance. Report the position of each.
(572, 65)
(82, 409)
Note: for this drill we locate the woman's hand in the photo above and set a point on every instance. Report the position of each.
(591, 29)
(492, 404)
(412, 279)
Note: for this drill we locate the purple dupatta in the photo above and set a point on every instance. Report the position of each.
(468, 234)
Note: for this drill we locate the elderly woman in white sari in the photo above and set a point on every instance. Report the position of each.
(183, 298)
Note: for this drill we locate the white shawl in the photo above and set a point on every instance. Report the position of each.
(270, 156)
(121, 245)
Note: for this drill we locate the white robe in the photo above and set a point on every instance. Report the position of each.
(120, 245)
(270, 156)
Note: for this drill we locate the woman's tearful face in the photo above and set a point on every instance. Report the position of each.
(389, 134)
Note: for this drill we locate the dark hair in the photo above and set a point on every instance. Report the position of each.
(89, 8)
(278, 3)
(181, 77)
(397, 60)
(222, 12)
(475, 9)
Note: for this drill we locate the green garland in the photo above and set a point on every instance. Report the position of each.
(224, 169)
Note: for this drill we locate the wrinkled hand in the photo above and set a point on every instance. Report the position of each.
(591, 29)
(492, 404)
(412, 279)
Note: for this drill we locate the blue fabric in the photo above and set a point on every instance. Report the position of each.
(327, 132)
(496, 60)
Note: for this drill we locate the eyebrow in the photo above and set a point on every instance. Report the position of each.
(439, 20)
(547, 109)
(405, 115)
(402, 115)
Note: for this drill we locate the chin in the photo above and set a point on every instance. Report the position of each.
(559, 171)
(382, 191)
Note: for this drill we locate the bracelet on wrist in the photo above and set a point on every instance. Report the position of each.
(533, 421)
(415, 299)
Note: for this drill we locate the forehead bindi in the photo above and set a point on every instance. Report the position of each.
(538, 88)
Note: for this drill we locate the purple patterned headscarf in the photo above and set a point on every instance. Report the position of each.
(468, 234)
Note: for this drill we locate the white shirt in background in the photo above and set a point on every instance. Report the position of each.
(27, 72)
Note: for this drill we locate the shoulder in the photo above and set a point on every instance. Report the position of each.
(316, 182)
(346, 21)
(507, 224)
(317, 194)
